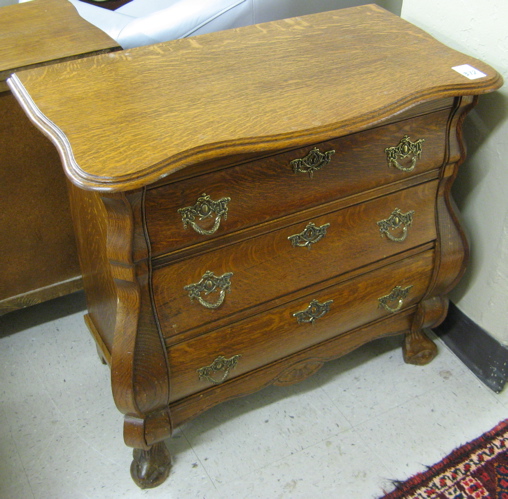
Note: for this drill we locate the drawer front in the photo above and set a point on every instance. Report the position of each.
(266, 189)
(259, 340)
(261, 269)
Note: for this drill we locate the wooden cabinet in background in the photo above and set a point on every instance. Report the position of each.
(252, 203)
(38, 253)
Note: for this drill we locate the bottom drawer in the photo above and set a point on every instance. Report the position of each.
(246, 345)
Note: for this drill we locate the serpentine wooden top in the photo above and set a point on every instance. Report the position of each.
(126, 119)
(42, 31)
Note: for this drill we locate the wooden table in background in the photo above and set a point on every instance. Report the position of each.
(38, 255)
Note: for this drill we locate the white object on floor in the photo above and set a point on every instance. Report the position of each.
(145, 22)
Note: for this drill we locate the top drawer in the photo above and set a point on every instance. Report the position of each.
(262, 190)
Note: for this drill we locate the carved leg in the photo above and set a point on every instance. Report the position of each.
(151, 467)
(418, 349)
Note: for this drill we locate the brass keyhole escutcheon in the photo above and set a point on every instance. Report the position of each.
(313, 312)
(309, 236)
(220, 364)
(314, 161)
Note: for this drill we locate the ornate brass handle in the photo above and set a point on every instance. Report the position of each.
(315, 160)
(219, 364)
(398, 294)
(309, 236)
(208, 284)
(205, 208)
(404, 150)
(314, 311)
(393, 222)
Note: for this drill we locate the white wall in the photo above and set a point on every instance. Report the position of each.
(479, 29)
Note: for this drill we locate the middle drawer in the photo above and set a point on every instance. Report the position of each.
(220, 283)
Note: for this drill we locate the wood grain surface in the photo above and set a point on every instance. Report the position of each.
(268, 337)
(268, 267)
(126, 119)
(42, 31)
(292, 367)
(268, 188)
(38, 253)
(144, 132)
(37, 248)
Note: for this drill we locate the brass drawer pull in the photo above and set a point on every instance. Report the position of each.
(314, 311)
(315, 160)
(404, 150)
(219, 364)
(208, 284)
(310, 235)
(205, 208)
(398, 294)
(394, 222)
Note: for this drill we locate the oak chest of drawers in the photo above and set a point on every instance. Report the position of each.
(252, 203)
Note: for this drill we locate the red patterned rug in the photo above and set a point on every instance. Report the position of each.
(476, 470)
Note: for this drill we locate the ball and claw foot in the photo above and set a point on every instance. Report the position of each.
(418, 349)
(151, 467)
